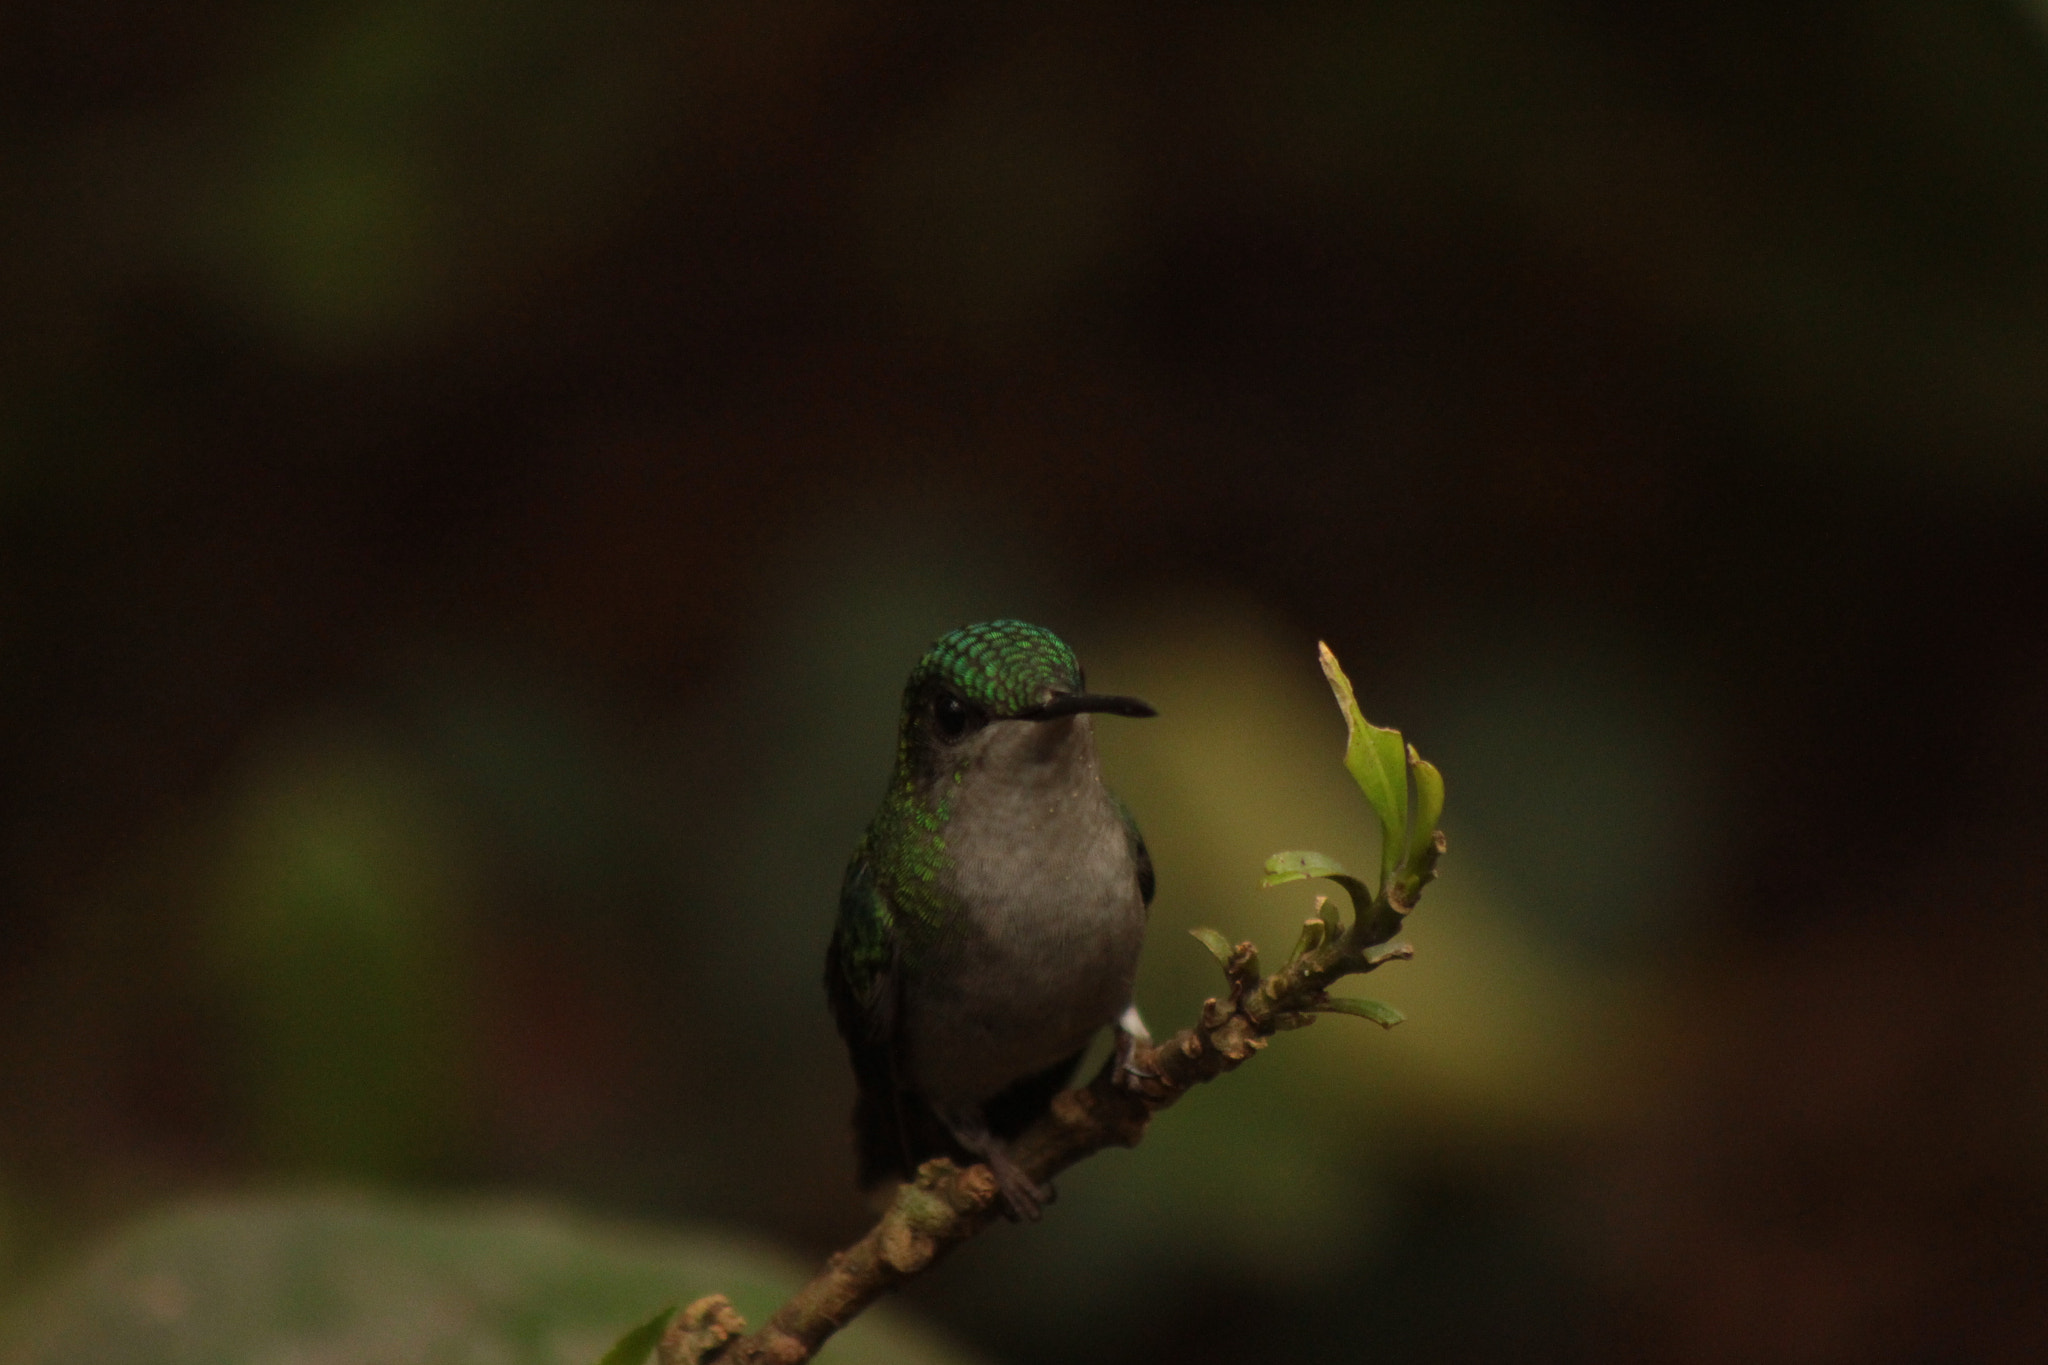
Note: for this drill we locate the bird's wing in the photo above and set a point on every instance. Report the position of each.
(1140, 855)
(862, 982)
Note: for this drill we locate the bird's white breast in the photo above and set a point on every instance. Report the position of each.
(1045, 944)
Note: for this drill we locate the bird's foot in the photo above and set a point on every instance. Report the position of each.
(1024, 1199)
(1131, 1033)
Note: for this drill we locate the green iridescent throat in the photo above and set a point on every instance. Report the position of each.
(912, 830)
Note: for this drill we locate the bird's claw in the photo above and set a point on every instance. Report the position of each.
(1024, 1199)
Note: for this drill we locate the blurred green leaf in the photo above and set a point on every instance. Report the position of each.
(1219, 947)
(400, 155)
(1300, 865)
(1333, 921)
(457, 1282)
(1388, 952)
(633, 1348)
(1429, 808)
(337, 938)
(1385, 1015)
(1377, 761)
(1312, 932)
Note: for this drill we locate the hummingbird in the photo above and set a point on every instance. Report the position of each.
(990, 920)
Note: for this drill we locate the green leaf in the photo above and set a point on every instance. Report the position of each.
(1219, 947)
(1377, 761)
(1312, 932)
(1429, 808)
(1385, 1015)
(1333, 922)
(1381, 953)
(1300, 866)
(634, 1347)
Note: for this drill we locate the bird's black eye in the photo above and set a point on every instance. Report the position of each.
(950, 714)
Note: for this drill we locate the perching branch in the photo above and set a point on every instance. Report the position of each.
(945, 1206)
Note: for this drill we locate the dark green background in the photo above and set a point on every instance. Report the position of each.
(472, 478)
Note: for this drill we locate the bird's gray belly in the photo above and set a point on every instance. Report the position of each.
(1042, 957)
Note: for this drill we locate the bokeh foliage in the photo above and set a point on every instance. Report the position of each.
(336, 1278)
(472, 478)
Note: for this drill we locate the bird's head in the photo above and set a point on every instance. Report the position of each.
(998, 671)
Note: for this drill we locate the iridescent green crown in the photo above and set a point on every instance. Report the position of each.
(1004, 666)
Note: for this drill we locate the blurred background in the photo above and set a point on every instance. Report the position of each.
(473, 478)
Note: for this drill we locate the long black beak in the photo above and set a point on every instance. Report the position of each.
(1073, 703)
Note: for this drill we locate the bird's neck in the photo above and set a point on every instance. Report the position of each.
(1010, 782)
(1018, 763)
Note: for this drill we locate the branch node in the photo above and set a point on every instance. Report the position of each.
(1243, 971)
(903, 1248)
(948, 1190)
(701, 1332)
(1116, 1115)
(1237, 1044)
